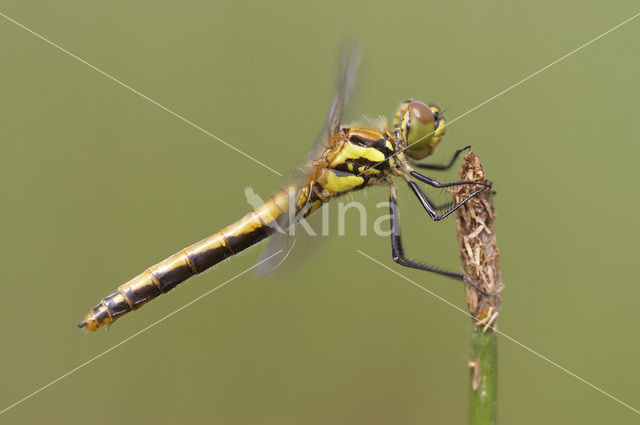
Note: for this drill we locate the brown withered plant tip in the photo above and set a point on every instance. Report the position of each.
(478, 248)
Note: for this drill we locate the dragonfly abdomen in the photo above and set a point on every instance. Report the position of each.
(169, 273)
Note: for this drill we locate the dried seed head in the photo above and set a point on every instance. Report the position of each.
(478, 247)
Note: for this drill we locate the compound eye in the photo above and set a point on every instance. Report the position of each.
(419, 128)
(421, 113)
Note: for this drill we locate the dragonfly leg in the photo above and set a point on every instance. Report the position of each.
(430, 209)
(442, 166)
(449, 206)
(435, 183)
(397, 251)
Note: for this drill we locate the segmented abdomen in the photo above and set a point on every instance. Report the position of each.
(167, 274)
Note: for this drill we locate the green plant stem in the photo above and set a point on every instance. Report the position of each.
(484, 380)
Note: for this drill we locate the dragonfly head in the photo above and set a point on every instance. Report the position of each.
(420, 126)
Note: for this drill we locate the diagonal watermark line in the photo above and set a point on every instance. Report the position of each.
(548, 360)
(560, 59)
(530, 76)
(175, 114)
(91, 360)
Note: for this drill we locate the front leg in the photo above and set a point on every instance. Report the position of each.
(435, 183)
(442, 167)
(430, 209)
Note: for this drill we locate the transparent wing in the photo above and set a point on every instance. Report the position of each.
(291, 250)
(346, 77)
(283, 241)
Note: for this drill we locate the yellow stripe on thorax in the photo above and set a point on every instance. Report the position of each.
(351, 151)
(333, 182)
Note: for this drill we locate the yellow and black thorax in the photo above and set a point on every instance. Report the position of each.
(357, 158)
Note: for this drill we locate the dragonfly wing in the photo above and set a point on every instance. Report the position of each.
(281, 243)
(348, 66)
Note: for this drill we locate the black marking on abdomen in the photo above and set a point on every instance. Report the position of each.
(210, 257)
(245, 240)
(99, 313)
(170, 278)
(139, 294)
(116, 307)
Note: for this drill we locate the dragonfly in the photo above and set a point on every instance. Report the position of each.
(344, 159)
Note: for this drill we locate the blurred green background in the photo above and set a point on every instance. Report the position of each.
(98, 183)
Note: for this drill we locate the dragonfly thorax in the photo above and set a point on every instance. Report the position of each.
(358, 158)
